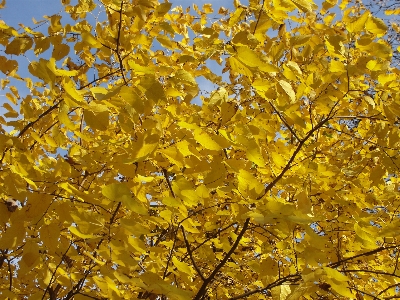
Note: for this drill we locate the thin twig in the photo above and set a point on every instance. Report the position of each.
(55, 271)
(210, 278)
(191, 255)
(377, 250)
(284, 121)
(259, 16)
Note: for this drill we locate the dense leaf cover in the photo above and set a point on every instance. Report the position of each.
(282, 184)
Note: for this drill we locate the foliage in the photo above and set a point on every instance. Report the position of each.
(390, 9)
(282, 184)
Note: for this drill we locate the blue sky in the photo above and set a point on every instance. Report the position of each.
(22, 11)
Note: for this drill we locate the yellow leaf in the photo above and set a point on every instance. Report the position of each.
(97, 121)
(185, 77)
(299, 40)
(341, 289)
(228, 110)
(152, 88)
(336, 66)
(285, 5)
(206, 140)
(294, 67)
(117, 192)
(171, 202)
(248, 183)
(75, 230)
(7, 66)
(376, 26)
(305, 5)
(60, 51)
(385, 78)
(181, 266)
(236, 16)
(31, 253)
(363, 234)
(19, 45)
(278, 160)
(253, 153)
(120, 192)
(335, 274)
(374, 65)
(140, 70)
(219, 96)
(358, 24)
(288, 90)
(51, 64)
(41, 45)
(280, 292)
(395, 11)
(248, 56)
(131, 97)
(238, 67)
(335, 46)
(63, 117)
(90, 39)
(71, 90)
(162, 9)
(138, 244)
(145, 146)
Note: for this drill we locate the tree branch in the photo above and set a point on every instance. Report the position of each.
(210, 278)
(55, 271)
(259, 16)
(171, 253)
(292, 158)
(29, 125)
(290, 278)
(168, 182)
(338, 263)
(284, 121)
(118, 43)
(191, 255)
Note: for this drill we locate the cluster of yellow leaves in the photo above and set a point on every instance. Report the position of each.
(282, 184)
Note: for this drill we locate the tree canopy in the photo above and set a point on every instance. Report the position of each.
(115, 183)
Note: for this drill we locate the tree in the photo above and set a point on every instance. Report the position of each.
(282, 184)
(390, 9)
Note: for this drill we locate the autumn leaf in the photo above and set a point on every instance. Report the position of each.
(151, 151)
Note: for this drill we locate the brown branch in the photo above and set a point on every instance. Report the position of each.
(377, 250)
(365, 293)
(109, 227)
(210, 278)
(213, 236)
(191, 255)
(397, 261)
(168, 182)
(292, 158)
(118, 43)
(202, 209)
(370, 271)
(9, 274)
(388, 288)
(290, 278)
(171, 253)
(77, 287)
(259, 16)
(29, 125)
(361, 139)
(100, 78)
(55, 271)
(284, 121)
